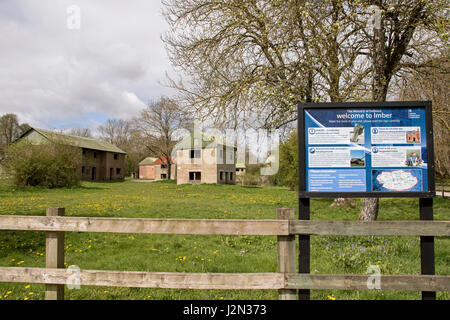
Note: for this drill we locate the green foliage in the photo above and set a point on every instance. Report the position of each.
(287, 174)
(48, 165)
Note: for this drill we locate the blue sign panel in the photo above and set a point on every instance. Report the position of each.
(366, 150)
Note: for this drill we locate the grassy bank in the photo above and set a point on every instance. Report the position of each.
(182, 253)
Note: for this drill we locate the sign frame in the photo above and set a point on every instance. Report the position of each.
(303, 193)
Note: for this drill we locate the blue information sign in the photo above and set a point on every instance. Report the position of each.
(366, 149)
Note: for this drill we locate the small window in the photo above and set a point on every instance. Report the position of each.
(164, 166)
(116, 156)
(195, 154)
(95, 154)
(84, 152)
(231, 176)
(117, 170)
(221, 175)
(82, 168)
(195, 176)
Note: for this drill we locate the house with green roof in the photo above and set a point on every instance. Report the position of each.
(205, 158)
(100, 160)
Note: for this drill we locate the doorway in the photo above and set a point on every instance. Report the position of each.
(94, 173)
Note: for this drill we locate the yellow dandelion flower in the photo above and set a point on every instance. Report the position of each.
(26, 298)
(30, 293)
(106, 291)
(331, 298)
(27, 286)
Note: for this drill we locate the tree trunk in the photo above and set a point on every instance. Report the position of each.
(369, 210)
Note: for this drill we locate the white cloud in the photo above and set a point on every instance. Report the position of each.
(110, 67)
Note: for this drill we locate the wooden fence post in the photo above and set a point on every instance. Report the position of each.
(286, 254)
(54, 255)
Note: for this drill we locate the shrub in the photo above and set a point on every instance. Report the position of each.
(287, 175)
(48, 165)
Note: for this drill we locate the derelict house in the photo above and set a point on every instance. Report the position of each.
(203, 158)
(100, 160)
(156, 169)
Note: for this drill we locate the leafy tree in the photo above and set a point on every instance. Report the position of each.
(48, 165)
(256, 59)
(287, 174)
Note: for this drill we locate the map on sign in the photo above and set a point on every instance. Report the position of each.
(398, 180)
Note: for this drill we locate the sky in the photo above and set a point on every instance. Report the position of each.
(66, 64)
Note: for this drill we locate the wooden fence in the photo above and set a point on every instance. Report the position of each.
(286, 280)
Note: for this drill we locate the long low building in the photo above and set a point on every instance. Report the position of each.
(100, 160)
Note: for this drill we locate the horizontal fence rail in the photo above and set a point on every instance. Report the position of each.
(286, 280)
(226, 226)
(221, 281)
(150, 226)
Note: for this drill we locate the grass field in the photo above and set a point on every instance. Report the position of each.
(188, 253)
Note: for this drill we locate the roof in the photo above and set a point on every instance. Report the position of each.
(151, 161)
(162, 160)
(199, 139)
(148, 161)
(76, 141)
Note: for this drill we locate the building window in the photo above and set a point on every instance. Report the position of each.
(117, 170)
(116, 156)
(82, 169)
(221, 175)
(163, 176)
(95, 154)
(164, 166)
(84, 152)
(231, 176)
(195, 154)
(195, 176)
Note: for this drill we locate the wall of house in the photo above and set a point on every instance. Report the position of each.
(147, 172)
(206, 165)
(106, 167)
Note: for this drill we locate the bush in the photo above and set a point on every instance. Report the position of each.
(287, 174)
(48, 165)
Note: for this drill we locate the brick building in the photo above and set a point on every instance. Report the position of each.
(100, 160)
(156, 169)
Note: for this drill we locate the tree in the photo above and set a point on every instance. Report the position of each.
(81, 132)
(430, 81)
(48, 165)
(123, 134)
(258, 59)
(264, 56)
(288, 176)
(10, 129)
(392, 49)
(116, 131)
(157, 125)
